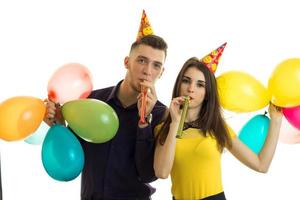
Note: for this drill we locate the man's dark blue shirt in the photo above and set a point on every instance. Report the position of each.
(121, 167)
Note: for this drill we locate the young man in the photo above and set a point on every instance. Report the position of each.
(122, 167)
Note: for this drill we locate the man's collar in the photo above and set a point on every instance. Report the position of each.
(113, 94)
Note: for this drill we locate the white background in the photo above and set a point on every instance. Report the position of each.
(37, 37)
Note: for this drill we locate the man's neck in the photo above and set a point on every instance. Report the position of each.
(126, 94)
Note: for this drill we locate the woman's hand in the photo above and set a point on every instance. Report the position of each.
(175, 110)
(275, 112)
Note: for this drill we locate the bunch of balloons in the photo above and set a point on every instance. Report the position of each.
(90, 119)
(240, 92)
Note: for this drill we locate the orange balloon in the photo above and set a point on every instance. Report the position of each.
(20, 116)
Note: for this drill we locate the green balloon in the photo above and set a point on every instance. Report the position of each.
(91, 119)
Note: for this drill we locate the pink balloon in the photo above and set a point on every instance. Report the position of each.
(293, 115)
(70, 82)
(288, 134)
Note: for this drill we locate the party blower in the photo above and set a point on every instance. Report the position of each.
(143, 105)
(183, 116)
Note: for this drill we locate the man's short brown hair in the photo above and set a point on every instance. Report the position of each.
(153, 41)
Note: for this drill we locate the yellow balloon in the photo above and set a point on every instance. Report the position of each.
(20, 116)
(240, 92)
(284, 83)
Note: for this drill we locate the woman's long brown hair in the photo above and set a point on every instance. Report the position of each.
(210, 119)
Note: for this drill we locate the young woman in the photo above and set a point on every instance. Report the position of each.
(194, 160)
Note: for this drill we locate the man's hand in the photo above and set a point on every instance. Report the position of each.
(53, 113)
(149, 96)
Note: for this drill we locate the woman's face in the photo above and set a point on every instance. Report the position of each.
(193, 85)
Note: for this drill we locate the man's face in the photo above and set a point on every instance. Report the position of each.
(144, 63)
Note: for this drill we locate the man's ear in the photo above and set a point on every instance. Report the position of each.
(162, 71)
(126, 61)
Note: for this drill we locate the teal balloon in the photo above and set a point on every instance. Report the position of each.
(39, 135)
(93, 120)
(254, 132)
(62, 154)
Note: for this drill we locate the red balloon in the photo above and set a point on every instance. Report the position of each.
(70, 82)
